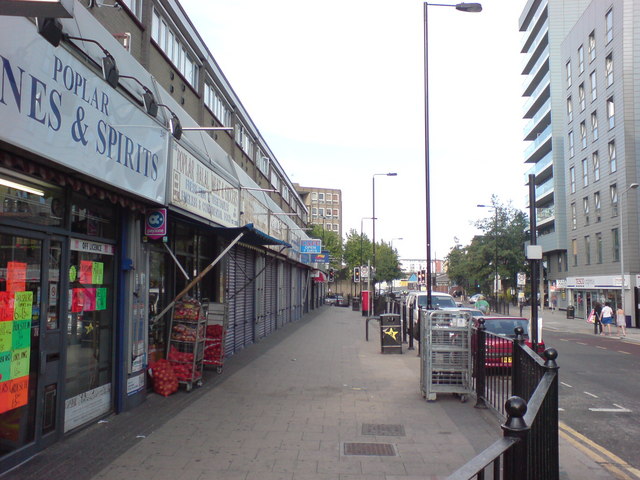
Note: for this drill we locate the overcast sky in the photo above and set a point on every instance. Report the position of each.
(336, 89)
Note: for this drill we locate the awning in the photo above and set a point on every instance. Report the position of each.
(318, 277)
(252, 236)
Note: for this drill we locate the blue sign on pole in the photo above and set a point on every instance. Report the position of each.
(311, 246)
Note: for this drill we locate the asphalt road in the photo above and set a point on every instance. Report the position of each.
(600, 396)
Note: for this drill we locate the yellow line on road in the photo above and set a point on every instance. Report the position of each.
(608, 460)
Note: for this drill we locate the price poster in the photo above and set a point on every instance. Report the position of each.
(16, 311)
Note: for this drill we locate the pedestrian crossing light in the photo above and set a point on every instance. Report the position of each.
(331, 275)
(356, 274)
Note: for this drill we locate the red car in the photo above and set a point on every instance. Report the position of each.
(501, 332)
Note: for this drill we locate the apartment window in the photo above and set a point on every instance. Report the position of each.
(581, 59)
(336, 212)
(559, 262)
(609, 24)
(574, 217)
(571, 145)
(336, 198)
(329, 198)
(613, 192)
(574, 251)
(314, 211)
(215, 101)
(327, 213)
(321, 197)
(134, 6)
(593, 82)
(275, 180)
(335, 227)
(599, 247)
(572, 179)
(611, 112)
(587, 250)
(608, 69)
(568, 69)
(596, 205)
(581, 97)
(595, 162)
(583, 135)
(592, 46)
(615, 236)
(594, 126)
(263, 163)
(569, 110)
(176, 51)
(314, 197)
(243, 139)
(328, 226)
(285, 194)
(613, 163)
(321, 212)
(585, 210)
(585, 173)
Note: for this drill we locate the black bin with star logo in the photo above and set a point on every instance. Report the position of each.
(390, 333)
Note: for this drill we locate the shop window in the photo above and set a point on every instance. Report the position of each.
(31, 203)
(89, 217)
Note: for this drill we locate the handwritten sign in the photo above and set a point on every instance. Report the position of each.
(16, 276)
(6, 306)
(5, 366)
(86, 272)
(89, 300)
(21, 335)
(23, 306)
(101, 298)
(6, 332)
(98, 273)
(20, 362)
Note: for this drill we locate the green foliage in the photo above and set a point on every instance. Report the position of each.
(358, 249)
(332, 242)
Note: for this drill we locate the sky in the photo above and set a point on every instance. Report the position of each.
(336, 88)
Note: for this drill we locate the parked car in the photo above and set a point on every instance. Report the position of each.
(330, 300)
(499, 342)
(474, 298)
(417, 300)
(473, 311)
(341, 301)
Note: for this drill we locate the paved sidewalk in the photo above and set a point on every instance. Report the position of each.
(283, 409)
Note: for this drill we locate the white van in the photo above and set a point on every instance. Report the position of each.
(417, 300)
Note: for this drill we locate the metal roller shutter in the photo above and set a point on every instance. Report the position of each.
(248, 298)
(271, 294)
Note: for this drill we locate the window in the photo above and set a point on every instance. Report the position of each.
(176, 51)
(571, 145)
(613, 164)
(608, 69)
(321, 212)
(244, 140)
(581, 97)
(574, 217)
(611, 112)
(314, 211)
(609, 25)
(569, 110)
(314, 196)
(593, 82)
(336, 197)
(585, 173)
(572, 179)
(613, 192)
(574, 251)
(594, 126)
(599, 247)
(263, 163)
(328, 226)
(559, 262)
(587, 250)
(215, 101)
(321, 197)
(335, 212)
(585, 210)
(285, 194)
(568, 69)
(615, 236)
(596, 205)
(581, 59)
(335, 227)
(595, 162)
(134, 6)
(583, 135)
(592, 46)
(275, 180)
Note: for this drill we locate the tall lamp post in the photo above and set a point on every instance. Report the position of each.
(631, 186)
(495, 260)
(463, 7)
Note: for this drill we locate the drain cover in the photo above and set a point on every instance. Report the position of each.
(382, 429)
(373, 449)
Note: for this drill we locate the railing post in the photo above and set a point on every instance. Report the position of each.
(410, 329)
(420, 319)
(516, 463)
(403, 308)
(550, 441)
(479, 366)
(517, 382)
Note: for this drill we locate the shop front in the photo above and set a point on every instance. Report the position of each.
(72, 193)
(585, 292)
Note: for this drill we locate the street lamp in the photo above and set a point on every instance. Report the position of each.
(633, 185)
(463, 7)
(495, 280)
(373, 216)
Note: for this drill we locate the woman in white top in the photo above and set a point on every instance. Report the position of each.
(607, 317)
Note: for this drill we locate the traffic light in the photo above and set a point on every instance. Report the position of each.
(356, 274)
(421, 277)
(331, 275)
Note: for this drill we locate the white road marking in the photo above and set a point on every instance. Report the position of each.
(566, 385)
(591, 395)
(622, 351)
(612, 410)
(581, 343)
(601, 348)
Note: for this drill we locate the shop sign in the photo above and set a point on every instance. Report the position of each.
(56, 107)
(82, 408)
(311, 246)
(155, 225)
(198, 189)
(92, 247)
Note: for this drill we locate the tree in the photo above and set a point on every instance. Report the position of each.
(331, 242)
(358, 249)
(387, 263)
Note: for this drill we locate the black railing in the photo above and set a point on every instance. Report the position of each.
(527, 399)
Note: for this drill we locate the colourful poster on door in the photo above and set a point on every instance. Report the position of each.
(86, 272)
(6, 306)
(6, 332)
(20, 362)
(16, 277)
(77, 300)
(89, 300)
(5, 366)
(101, 298)
(21, 335)
(98, 273)
(23, 306)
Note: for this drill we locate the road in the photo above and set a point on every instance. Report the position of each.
(600, 397)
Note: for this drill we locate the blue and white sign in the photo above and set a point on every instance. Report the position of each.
(311, 246)
(156, 223)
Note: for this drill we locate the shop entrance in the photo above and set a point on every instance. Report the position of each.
(30, 343)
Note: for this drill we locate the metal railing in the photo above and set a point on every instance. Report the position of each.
(528, 401)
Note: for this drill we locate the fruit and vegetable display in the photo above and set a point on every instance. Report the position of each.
(165, 381)
(186, 346)
(213, 345)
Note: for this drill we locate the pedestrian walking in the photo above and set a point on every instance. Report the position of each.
(597, 325)
(621, 322)
(607, 317)
(554, 303)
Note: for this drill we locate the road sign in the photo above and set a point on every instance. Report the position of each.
(364, 271)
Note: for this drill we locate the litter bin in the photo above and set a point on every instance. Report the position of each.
(355, 304)
(571, 311)
(390, 333)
